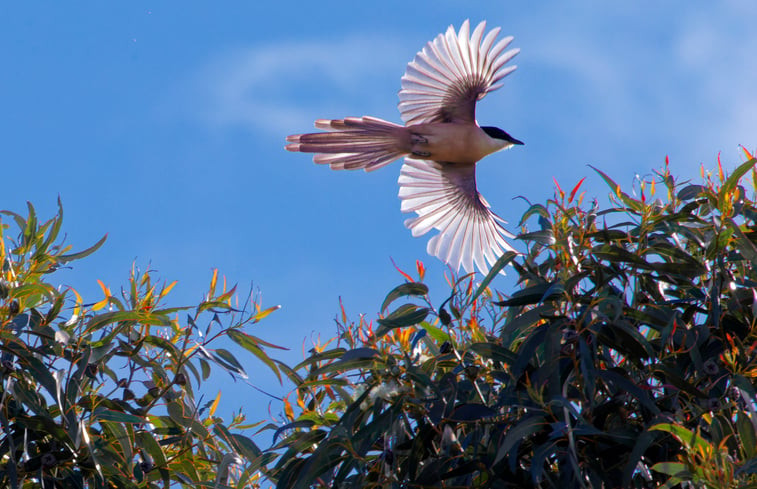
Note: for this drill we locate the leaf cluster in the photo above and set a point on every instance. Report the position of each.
(103, 394)
(626, 358)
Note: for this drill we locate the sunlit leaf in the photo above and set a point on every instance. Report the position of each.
(82, 254)
(260, 315)
(402, 290)
(227, 360)
(405, 315)
(733, 179)
(501, 263)
(214, 406)
(250, 344)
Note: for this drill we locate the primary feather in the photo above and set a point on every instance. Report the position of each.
(451, 73)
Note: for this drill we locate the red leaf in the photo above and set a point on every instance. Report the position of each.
(575, 189)
(559, 190)
(407, 277)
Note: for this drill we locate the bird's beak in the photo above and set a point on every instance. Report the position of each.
(515, 141)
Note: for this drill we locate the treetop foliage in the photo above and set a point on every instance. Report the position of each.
(103, 394)
(625, 359)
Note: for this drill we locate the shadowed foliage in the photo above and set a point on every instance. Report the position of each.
(102, 394)
(626, 358)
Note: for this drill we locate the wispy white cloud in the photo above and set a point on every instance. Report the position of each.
(683, 77)
(281, 87)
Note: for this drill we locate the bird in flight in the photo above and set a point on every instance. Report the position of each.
(440, 141)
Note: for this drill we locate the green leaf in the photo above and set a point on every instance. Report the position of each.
(535, 294)
(642, 443)
(57, 221)
(691, 191)
(745, 245)
(495, 352)
(405, 315)
(501, 263)
(118, 416)
(544, 237)
(250, 344)
(82, 254)
(609, 235)
(106, 318)
(225, 359)
(673, 469)
(671, 376)
(439, 335)
(622, 383)
(745, 429)
(205, 366)
(733, 180)
(622, 336)
(466, 413)
(535, 209)
(409, 288)
(245, 446)
(627, 201)
(320, 356)
(688, 438)
(345, 366)
(513, 329)
(146, 441)
(359, 354)
(517, 433)
(31, 226)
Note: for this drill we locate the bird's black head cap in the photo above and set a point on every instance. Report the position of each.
(497, 133)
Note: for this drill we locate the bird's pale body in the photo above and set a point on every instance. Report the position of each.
(464, 143)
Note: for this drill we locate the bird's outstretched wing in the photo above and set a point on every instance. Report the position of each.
(451, 73)
(445, 197)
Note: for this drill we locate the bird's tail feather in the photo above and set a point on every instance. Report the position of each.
(352, 143)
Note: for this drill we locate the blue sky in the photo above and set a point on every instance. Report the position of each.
(163, 125)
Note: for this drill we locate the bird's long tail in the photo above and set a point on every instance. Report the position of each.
(353, 143)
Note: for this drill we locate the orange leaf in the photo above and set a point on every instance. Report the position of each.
(257, 317)
(167, 289)
(213, 406)
(77, 307)
(99, 305)
(720, 170)
(421, 269)
(746, 152)
(213, 282)
(288, 411)
(105, 290)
